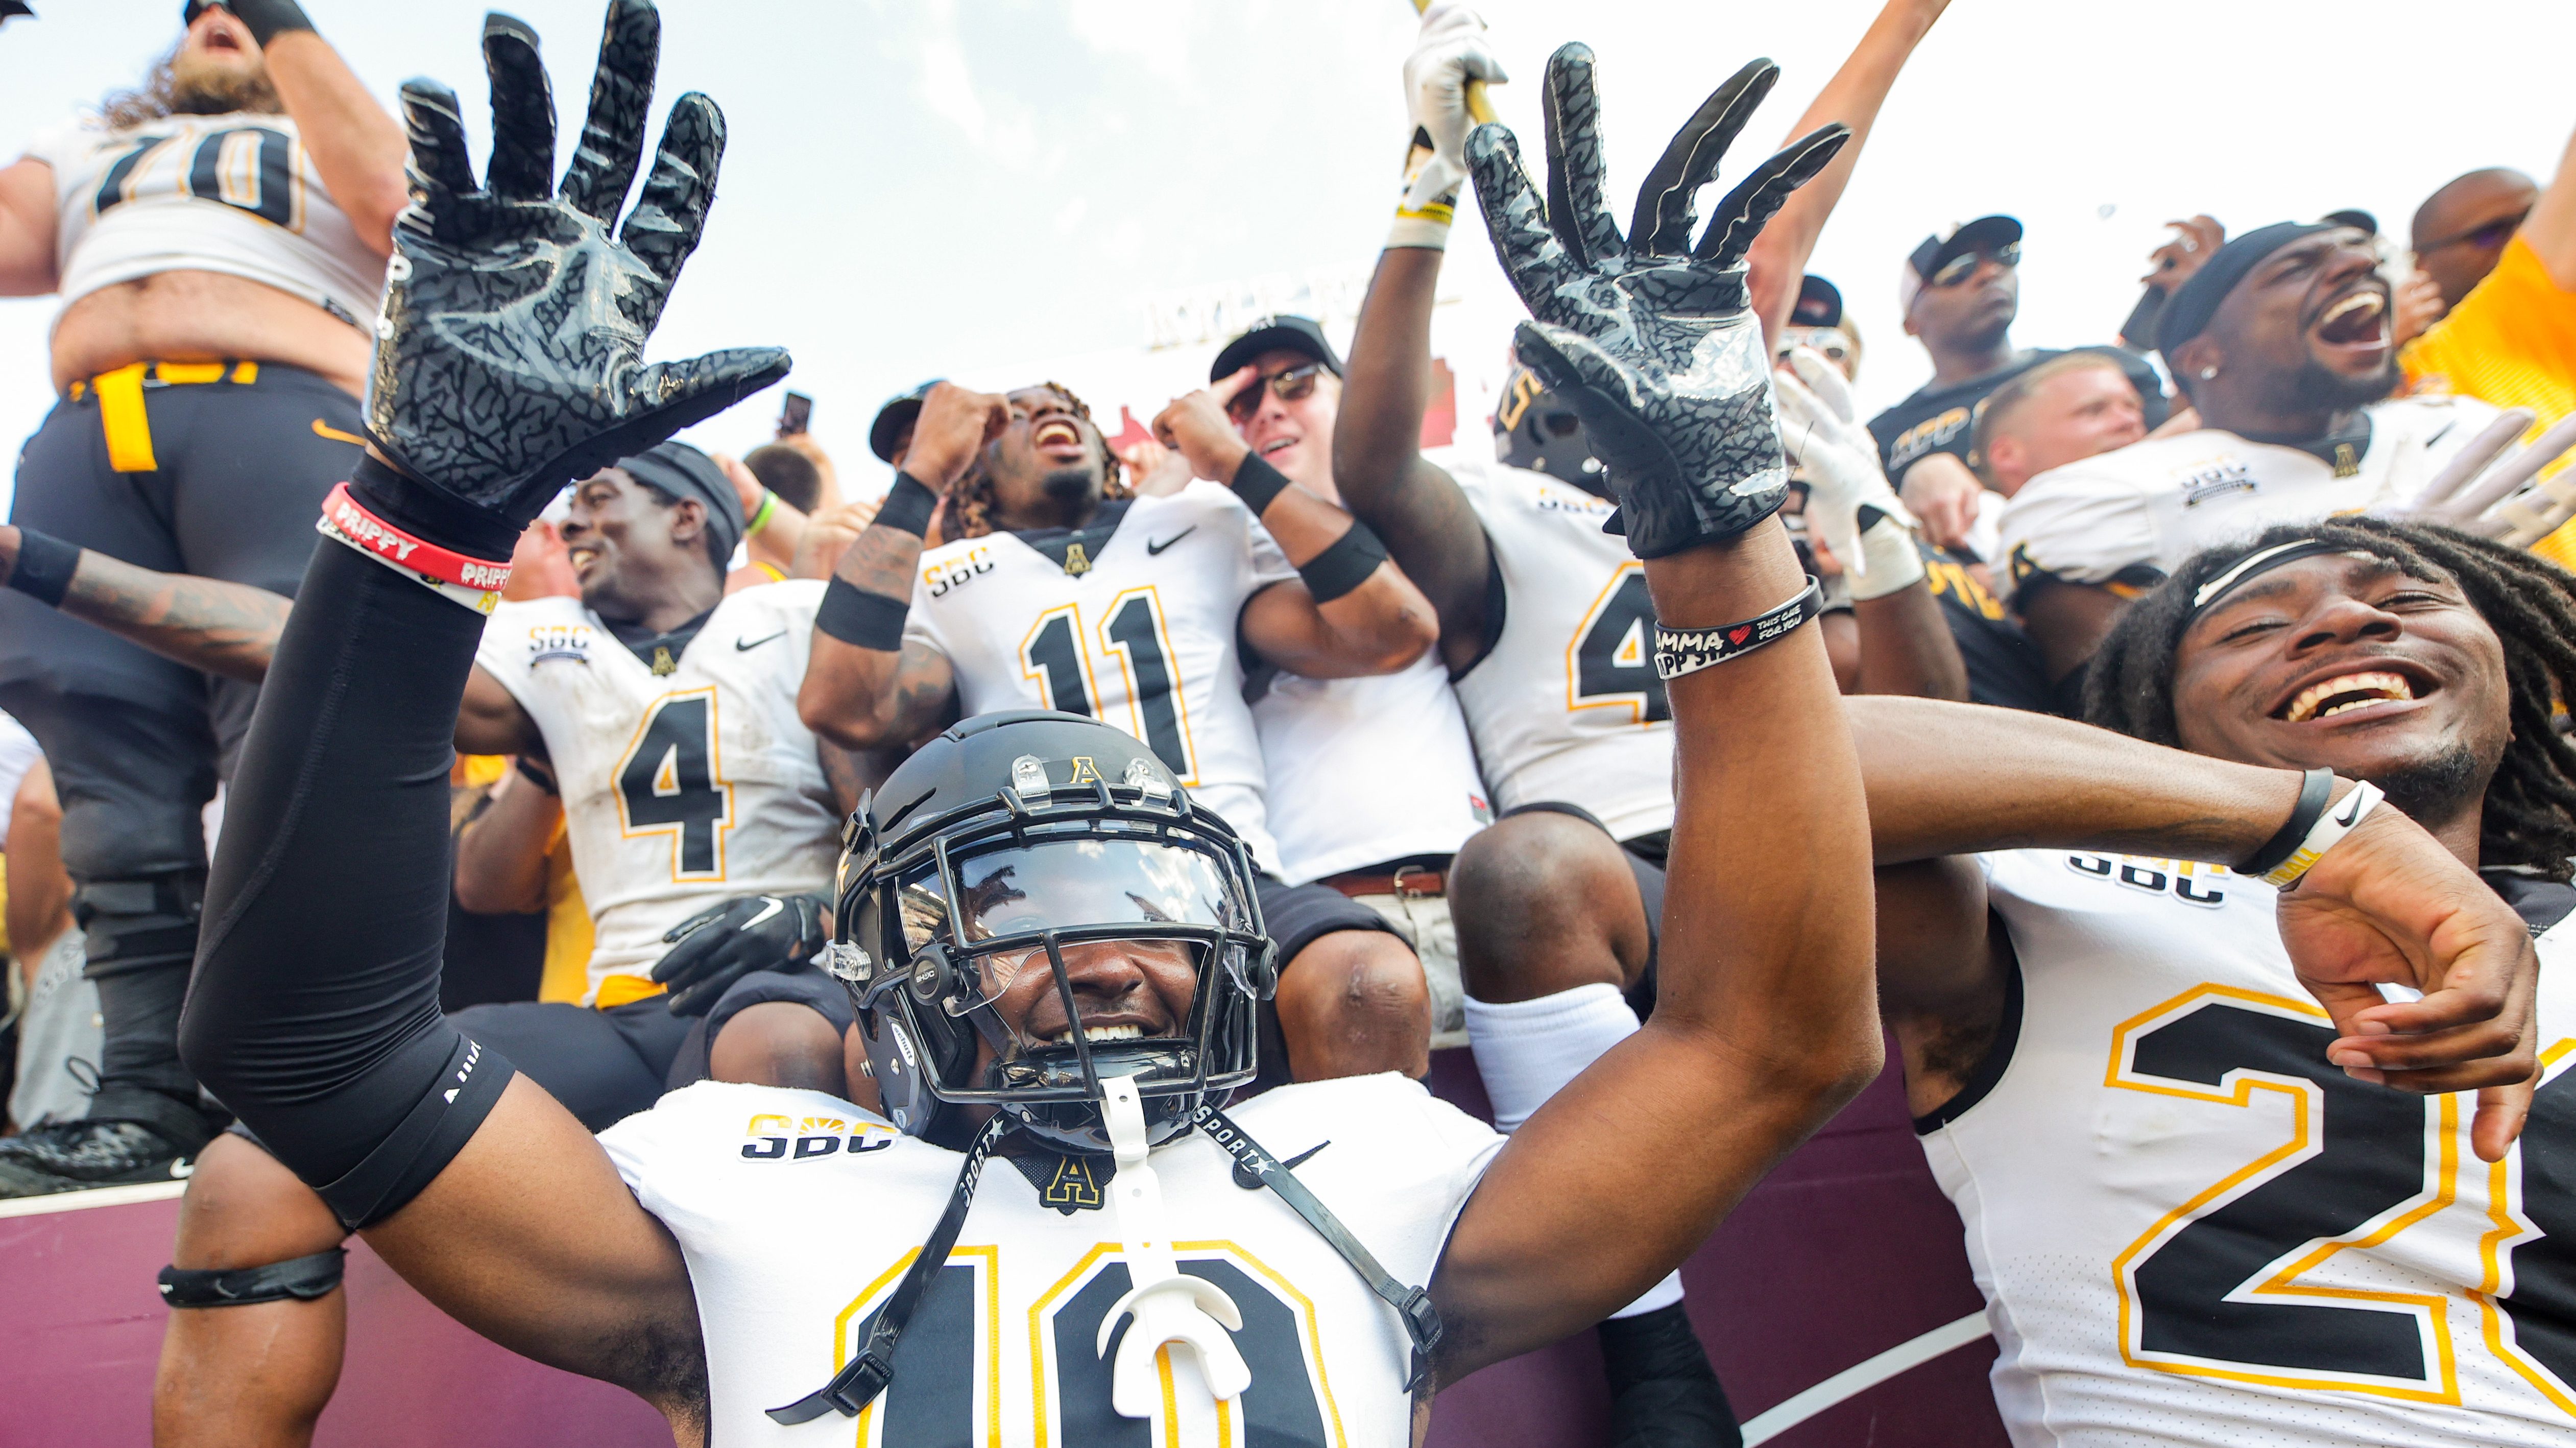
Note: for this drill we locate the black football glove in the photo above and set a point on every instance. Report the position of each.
(1648, 337)
(714, 948)
(509, 353)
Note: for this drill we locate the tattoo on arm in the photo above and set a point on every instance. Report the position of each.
(224, 628)
(882, 561)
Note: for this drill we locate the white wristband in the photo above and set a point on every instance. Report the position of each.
(2339, 820)
(1427, 229)
(1894, 561)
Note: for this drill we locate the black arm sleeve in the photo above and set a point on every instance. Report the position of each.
(314, 1011)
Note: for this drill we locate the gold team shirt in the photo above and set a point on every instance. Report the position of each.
(2511, 341)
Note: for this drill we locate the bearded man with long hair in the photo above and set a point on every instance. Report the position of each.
(218, 236)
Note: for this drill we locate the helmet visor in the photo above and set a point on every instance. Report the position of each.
(1093, 895)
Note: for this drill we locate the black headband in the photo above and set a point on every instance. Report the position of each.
(684, 472)
(2187, 312)
(2254, 565)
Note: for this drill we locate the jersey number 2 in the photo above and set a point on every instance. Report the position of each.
(1613, 658)
(669, 781)
(1056, 655)
(2214, 1289)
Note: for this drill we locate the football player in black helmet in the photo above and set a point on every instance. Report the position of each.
(1024, 874)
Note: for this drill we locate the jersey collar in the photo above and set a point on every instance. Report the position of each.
(2342, 448)
(659, 651)
(1058, 544)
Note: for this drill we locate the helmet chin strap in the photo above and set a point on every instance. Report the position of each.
(1189, 1315)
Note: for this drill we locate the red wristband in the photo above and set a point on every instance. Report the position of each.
(475, 582)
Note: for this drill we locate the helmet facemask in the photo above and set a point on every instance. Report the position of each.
(1134, 920)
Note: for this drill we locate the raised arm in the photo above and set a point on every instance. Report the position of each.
(1764, 1023)
(1778, 259)
(1350, 612)
(865, 688)
(354, 144)
(314, 1007)
(1414, 507)
(2550, 230)
(28, 266)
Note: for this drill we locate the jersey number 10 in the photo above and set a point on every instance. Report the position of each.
(1056, 656)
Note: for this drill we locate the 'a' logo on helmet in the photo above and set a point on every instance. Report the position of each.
(1084, 772)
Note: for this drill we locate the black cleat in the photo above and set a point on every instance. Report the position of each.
(74, 1156)
(1663, 1393)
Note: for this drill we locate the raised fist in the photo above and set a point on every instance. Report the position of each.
(1647, 336)
(509, 352)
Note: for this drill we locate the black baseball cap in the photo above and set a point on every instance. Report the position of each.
(1937, 250)
(2354, 217)
(1819, 304)
(1294, 333)
(896, 415)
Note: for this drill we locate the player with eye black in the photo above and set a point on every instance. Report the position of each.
(1058, 590)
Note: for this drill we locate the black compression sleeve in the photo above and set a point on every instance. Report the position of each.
(314, 1011)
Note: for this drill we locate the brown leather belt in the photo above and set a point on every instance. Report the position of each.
(1411, 881)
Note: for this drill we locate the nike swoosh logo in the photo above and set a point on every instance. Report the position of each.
(1300, 1158)
(323, 429)
(1154, 549)
(2351, 809)
(744, 646)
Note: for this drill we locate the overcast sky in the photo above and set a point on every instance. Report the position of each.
(990, 189)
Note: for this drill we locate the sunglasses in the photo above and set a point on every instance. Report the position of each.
(1963, 266)
(1293, 384)
(2486, 238)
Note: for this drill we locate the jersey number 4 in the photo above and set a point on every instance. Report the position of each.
(2214, 1289)
(944, 1367)
(1612, 659)
(1057, 655)
(670, 782)
(249, 168)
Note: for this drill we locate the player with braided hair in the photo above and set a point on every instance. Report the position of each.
(1058, 589)
(2530, 818)
(2203, 1215)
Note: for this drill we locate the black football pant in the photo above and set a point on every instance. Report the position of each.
(213, 469)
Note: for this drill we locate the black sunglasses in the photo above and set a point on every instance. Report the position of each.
(1290, 384)
(1963, 266)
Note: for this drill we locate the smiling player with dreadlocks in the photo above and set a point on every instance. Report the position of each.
(2197, 1213)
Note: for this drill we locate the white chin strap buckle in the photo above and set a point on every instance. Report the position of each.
(1191, 1316)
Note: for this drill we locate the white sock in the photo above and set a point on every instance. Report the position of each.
(1527, 1050)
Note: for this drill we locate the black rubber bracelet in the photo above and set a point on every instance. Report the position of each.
(1345, 563)
(908, 506)
(2316, 787)
(536, 774)
(45, 567)
(1680, 651)
(1257, 483)
(269, 19)
(431, 513)
(860, 618)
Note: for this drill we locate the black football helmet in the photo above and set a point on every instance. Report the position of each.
(1536, 429)
(1000, 844)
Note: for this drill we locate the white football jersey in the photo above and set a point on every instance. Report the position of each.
(234, 193)
(1366, 771)
(798, 1214)
(1567, 705)
(680, 791)
(2191, 1229)
(1131, 621)
(2157, 502)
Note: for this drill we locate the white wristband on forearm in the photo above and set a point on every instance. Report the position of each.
(1893, 561)
(2339, 820)
(1424, 223)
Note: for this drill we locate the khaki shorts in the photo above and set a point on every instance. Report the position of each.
(1423, 921)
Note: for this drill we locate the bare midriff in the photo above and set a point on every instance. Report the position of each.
(197, 316)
